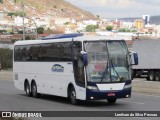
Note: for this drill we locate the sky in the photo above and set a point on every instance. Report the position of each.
(119, 8)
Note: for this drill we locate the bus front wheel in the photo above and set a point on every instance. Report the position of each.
(112, 101)
(72, 96)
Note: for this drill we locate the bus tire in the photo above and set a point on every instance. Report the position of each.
(34, 90)
(27, 89)
(147, 78)
(111, 101)
(72, 96)
(151, 76)
(157, 76)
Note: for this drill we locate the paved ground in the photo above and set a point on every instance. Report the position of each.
(12, 99)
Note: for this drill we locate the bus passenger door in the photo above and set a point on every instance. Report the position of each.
(79, 70)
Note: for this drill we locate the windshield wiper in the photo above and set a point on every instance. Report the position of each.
(104, 72)
(120, 78)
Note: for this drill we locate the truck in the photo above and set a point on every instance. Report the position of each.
(148, 59)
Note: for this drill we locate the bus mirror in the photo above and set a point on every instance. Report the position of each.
(84, 58)
(134, 58)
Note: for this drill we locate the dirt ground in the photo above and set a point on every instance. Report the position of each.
(6, 75)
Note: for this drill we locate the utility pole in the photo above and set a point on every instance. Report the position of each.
(36, 34)
(23, 19)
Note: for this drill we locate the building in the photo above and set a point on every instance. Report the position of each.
(90, 22)
(19, 21)
(127, 25)
(139, 23)
(61, 21)
(146, 19)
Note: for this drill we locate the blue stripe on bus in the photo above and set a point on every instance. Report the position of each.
(61, 36)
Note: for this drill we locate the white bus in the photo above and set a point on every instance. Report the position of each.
(74, 66)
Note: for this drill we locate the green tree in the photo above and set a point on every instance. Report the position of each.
(128, 30)
(109, 28)
(40, 30)
(48, 31)
(18, 1)
(66, 23)
(2, 31)
(20, 32)
(10, 14)
(1, 1)
(6, 57)
(133, 30)
(122, 30)
(16, 14)
(98, 16)
(91, 28)
(27, 38)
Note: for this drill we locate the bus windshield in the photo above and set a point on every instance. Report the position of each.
(107, 61)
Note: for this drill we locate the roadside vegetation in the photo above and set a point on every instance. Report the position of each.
(91, 28)
(6, 56)
(109, 28)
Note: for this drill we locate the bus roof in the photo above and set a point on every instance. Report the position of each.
(79, 38)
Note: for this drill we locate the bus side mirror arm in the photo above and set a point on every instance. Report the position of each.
(134, 58)
(84, 58)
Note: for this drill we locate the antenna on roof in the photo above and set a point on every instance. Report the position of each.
(60, 36)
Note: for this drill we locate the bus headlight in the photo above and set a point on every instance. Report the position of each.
(127, 86)
(92, 87)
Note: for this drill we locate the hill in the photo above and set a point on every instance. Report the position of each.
(155, 20)
(55, 8)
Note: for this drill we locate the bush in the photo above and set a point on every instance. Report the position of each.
(91, 28)
(109, 28)
(40, 30)
(6, 56)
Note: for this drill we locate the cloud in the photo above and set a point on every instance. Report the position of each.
(148, 2)
(119, 8)
(101, 3)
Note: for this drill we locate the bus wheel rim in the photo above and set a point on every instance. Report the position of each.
(73, 96)
(34, 90)
(27, 90)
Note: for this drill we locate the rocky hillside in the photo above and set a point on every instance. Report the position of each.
(55, 8)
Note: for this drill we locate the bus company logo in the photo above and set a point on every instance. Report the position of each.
(57, 68)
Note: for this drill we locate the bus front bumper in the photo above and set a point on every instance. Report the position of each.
(97, 94)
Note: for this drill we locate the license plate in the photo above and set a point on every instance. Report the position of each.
(111, 94)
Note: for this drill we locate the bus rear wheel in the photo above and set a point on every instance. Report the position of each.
(112, 101)
(157, 76)
(34, 90)
(72, 96)
(27, 89)
(151, 76)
